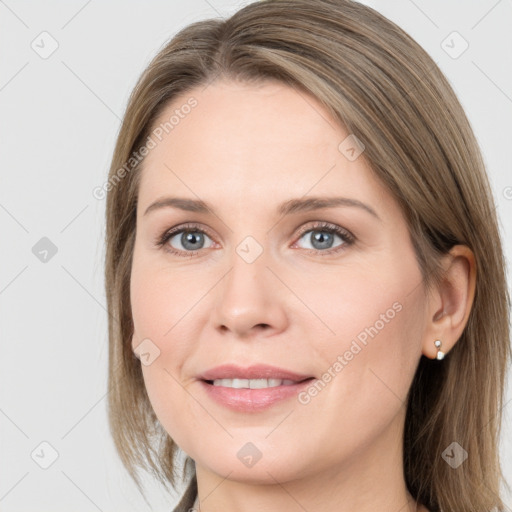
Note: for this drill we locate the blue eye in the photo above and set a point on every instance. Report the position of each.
(322, 239)
(188, 240)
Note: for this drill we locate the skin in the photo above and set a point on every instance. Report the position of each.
(244, 150)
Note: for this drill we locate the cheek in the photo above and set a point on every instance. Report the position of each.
(352, 305)
(160, 299)
(371, 328)
(159, 310)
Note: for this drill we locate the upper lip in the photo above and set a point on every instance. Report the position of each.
(257, 371)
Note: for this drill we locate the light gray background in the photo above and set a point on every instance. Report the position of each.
(59, 119)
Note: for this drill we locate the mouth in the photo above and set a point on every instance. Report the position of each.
(240, 383)
(252, 389)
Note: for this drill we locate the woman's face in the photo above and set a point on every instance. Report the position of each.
(261, 278)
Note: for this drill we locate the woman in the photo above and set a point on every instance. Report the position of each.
(304, 273)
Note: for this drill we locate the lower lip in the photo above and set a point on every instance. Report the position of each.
(252, 400)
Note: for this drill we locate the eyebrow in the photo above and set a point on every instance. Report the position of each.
(288, 207)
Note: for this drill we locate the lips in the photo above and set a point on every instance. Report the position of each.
(258, 371)
(231, 388)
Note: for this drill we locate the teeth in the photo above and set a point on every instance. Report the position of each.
(252, 383)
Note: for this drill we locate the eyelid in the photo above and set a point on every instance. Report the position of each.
(321, 224)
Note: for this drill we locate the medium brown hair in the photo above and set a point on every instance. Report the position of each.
(378, 83)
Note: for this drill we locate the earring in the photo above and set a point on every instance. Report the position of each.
(440, 353)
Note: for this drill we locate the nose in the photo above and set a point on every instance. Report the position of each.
(250, 300)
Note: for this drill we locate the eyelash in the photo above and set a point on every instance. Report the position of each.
(347, 237)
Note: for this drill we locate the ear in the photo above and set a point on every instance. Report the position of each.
(449, 305)
(135, 343)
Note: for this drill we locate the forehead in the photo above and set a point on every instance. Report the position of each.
(241, 142)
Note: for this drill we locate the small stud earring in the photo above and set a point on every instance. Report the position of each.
(440, 353)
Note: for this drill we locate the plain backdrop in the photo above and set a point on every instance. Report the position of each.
(66, 70)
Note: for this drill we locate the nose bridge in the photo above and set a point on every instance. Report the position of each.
(247, 296)
(248, 259)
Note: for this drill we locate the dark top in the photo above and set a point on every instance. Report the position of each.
(189, 496)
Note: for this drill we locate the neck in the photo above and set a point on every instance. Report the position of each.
(371, 479)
